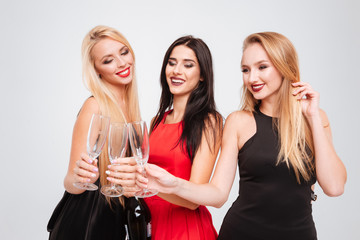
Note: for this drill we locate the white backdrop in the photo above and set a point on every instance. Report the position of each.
(42, 90)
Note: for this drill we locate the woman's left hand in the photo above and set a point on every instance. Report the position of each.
(309, 98)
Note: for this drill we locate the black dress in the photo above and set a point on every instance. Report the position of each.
(87, 216)
(271, 203)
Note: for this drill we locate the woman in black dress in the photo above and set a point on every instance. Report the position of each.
(281, 141)
(109, 73)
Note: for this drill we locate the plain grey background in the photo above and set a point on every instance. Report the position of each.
(42, 89)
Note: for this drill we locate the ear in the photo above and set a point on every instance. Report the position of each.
(201, 79)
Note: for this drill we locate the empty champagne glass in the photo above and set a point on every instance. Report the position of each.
(117, 145)
(98, 130)
(139, 142)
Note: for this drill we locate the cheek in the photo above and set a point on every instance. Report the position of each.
(245, 78)
(167, 71)
(129, 59)
(195, 75)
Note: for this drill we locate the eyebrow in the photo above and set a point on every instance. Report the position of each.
(186, 59)
(109, 55)
(257, 63)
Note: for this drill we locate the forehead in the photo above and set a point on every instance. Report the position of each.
(183, 52)
(106, 46)
(254, 53)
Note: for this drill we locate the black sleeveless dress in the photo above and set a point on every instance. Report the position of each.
(87, 216)
(271, 204)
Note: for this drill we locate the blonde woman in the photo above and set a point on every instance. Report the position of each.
(281, 141)
(109, 74)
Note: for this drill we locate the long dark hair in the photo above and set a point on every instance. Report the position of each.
(200, 113)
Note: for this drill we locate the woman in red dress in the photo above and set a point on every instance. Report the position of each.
(185, 139)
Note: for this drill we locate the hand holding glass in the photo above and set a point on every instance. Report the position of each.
(139, 142)
(117, 145)
(96, 138)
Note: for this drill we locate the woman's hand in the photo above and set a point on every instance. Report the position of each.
(157, 178)
(123, 172)
(86, 170)
(309, 99)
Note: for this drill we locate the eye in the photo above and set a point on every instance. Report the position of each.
(189, 65)
(245, 70)
(262, 67)
(171, 63)
(125, 52)
(107, 61)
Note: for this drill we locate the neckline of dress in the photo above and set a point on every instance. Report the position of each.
(164, 119)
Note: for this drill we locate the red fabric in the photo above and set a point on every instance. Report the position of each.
(170, 221)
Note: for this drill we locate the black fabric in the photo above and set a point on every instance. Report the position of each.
(271, 203)
(86, 216)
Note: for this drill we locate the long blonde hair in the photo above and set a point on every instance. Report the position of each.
(102, 93)
(296, 144)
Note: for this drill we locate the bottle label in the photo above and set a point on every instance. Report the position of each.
(148, 228)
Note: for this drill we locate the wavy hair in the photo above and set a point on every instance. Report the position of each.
(102, 93)
(200, 112)
(295, 137)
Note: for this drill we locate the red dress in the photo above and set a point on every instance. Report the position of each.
(171, 221)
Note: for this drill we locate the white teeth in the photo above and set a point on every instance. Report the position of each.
(177, 81)
(259, 86)
(125, 72)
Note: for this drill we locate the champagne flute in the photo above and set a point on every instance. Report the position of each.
(96, 138)
(117, 145)
(139, 142)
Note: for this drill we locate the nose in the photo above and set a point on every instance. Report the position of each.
(177, 69)
(253, 76)
(120, 62)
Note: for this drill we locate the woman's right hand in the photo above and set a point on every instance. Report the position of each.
(86, 170)
(123, 173)
(158, 179)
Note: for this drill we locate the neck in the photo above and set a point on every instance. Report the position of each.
(179, 105)
(268, 109)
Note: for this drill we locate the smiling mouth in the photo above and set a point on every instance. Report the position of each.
(177, 81)
(124, 73)
(257, 87)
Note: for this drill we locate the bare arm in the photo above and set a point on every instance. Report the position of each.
(81, 167)
(330, 171)
(201, 169)
(214, 193)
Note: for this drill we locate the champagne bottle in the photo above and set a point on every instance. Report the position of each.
(138, 219)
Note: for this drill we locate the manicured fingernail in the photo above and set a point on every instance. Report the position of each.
(108, 178)
(95, 169)
(93, 175)
(88, 180)
(109, 166)
(107, 172)
(114, 161)
(90, 161)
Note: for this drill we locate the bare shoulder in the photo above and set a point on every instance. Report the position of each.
(239, 118)
(216, 121)
(90, 106)
(243, 122)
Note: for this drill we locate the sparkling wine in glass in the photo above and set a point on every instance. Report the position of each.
(98, 131)
(117, 146)
(139, 142)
